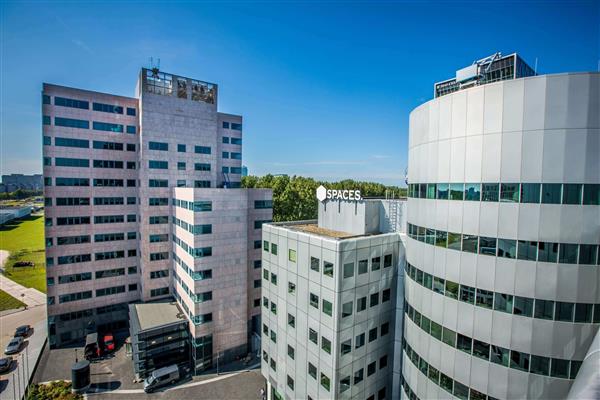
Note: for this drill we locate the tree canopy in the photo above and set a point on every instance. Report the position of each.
(294, 197)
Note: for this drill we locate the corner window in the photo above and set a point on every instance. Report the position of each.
(327, 307)
(348, 270)
(328, 269)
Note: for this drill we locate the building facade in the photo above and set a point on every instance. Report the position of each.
(502, 278)
(143, 203)
(329, 290)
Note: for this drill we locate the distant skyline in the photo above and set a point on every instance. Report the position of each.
(325, 89)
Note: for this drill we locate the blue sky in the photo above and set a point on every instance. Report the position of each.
(325, 88)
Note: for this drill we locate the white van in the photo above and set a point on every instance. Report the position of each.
(161, 377)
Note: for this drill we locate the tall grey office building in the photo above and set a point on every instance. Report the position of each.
(143, 203)
(498, 296)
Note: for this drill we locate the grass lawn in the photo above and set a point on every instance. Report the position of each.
(24, 239)
(7, 302)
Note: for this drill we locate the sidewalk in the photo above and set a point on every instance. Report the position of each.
(32, 297)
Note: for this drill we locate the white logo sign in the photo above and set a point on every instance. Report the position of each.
(333, 194)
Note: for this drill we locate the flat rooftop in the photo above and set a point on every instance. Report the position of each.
(154, 315)
(314, 229)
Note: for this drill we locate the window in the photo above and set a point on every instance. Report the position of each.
(523, 306)
(326, 344)
(572, 193)
(442, 191)
(363, 267)
(448, 337)
(472, 191)
(463, 343)
(588, 254)
(291, 320)
(74, 162)
(158, 183)
(344, 384)
(385, 328)
(106, 126)
(314, 264)
(451, 289)
(358, 376)
(540, 365)
(375, 263)
(273, 336)
(273, 278)
(527, 250)
(359, 341)
(292, 255)
(236, 127)
(591, 194)
(481, 349)
(107, 108)
(160, 146)
(313, 336)
(387, 261)
(346, 346)
(509, 192)
(327, 307)
(290, 382)
(457, 191)
(519, 360)
(72, 103)
(291, 352)
(485, 298)
(328, 269)
(312, 371)
(507, 248)
(559, 368)
(291, 288)
(499, 355)
(131, 129)
(374, 300)
(547, 252)
(489, 192)
(273, 249)
(454, 241)
(131, 111)
(273, 308)
(371, 368)
(273, 365)
(348, 270)
(202, 149)
(314, 300)
(383, 362)
(47, 141)
(441, 238)
(530, 193)
(568, 253)
(154, 164)
(583, 312)
(385, 295)
(487, 245)
(551, 193)
(372, 334)
(202, 167)
(564, 311)
(361, 304)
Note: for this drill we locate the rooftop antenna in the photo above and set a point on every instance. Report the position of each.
(155, 67)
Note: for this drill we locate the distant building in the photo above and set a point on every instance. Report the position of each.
(10, 213)
(244, 170)
(12, 182)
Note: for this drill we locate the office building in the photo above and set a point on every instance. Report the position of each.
(502, 273)
(329, 290)
(143, 203)
(12, 182)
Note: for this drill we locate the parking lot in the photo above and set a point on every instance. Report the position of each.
(112, 377)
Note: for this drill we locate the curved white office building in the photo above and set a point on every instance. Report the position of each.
(502, 272)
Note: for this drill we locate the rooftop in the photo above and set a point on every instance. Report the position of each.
(313, 228)
(154, 315)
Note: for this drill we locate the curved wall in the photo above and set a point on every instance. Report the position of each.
(542, 130)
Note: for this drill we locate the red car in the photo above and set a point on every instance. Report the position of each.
(109, 343)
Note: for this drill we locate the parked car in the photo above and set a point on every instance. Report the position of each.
(14, 346)
(23, 331)
(109, 343)
(5, 364)
(161, 377)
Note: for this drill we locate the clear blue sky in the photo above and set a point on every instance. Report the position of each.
(325, 88)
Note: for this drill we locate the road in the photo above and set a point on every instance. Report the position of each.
(12, 385)
(237, 385)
